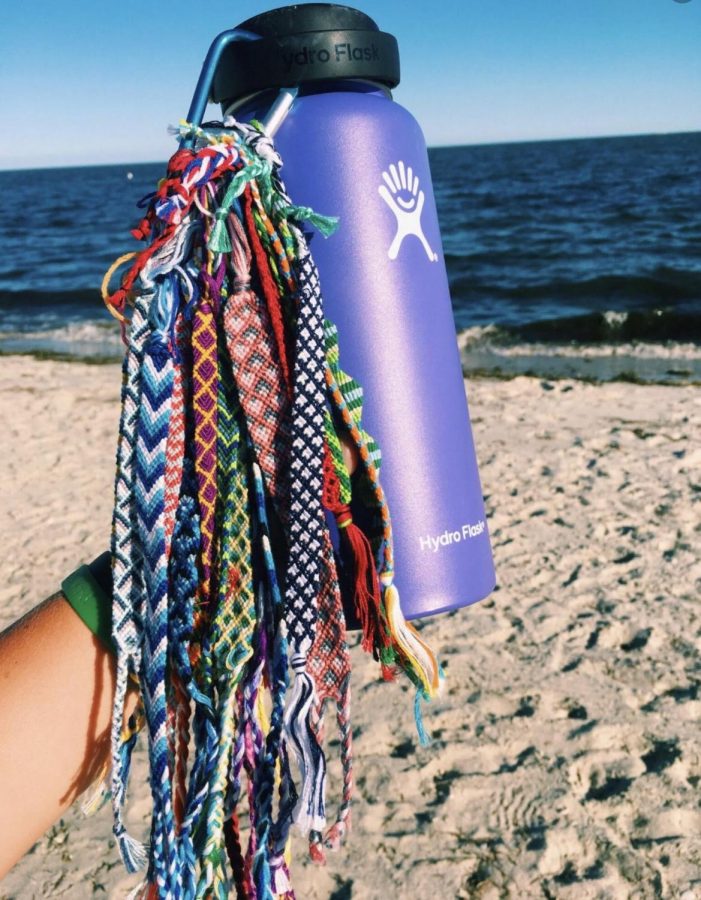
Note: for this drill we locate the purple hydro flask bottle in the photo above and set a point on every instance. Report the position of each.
(350, 151)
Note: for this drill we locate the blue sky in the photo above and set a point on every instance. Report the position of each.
(100, 82)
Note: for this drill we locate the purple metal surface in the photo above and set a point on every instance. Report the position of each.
(362, 157)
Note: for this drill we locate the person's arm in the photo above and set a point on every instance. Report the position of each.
(56, 690)
(57, 682)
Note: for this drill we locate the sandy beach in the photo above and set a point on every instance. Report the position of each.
(566, 755)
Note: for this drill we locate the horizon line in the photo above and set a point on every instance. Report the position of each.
(439, 146)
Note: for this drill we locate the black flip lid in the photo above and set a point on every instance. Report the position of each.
(305, 43)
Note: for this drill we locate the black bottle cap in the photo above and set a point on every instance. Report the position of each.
(305, 43)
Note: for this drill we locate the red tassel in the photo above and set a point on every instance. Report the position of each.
(316, 852)
(367, 594)
(336, 834)
(389, 673)
(366, 586)
(142, 230)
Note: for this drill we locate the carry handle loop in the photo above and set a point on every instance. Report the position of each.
(204, 83)
(278, 111)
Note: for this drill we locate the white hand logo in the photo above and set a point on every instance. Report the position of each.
(401, 193)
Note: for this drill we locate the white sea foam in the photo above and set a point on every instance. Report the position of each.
(75, 331)
(478, 335)
(78, 339)
(490, 338)
(489, 350)
(638, 350)
(615, 319)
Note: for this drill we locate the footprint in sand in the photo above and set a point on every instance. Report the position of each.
(518, 808)
(604, 776)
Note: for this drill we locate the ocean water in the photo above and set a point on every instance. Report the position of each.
(574, 257)
(578, 257)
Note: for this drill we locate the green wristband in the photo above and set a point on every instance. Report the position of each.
(91, 603)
